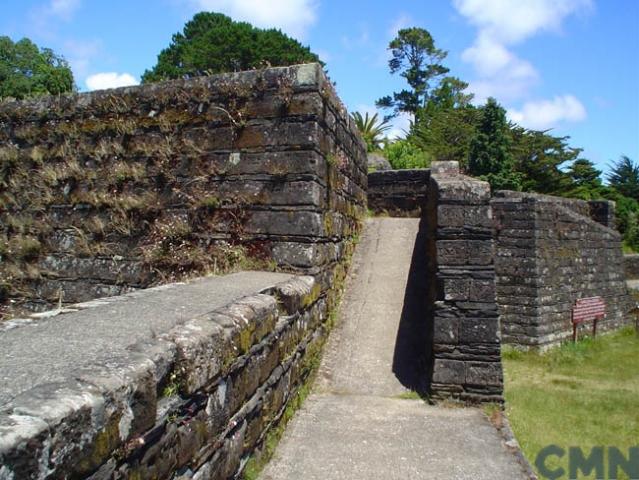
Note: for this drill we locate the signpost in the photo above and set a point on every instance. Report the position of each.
(585, 309)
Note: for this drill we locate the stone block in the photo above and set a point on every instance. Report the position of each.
(446, 330)
(461, 190)
(484, 374)
(449, 372)
(479, 330)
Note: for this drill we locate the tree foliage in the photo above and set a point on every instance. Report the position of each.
(405, 154)
(213, 43)
(624, 176)
(26, 70)
(372, 130)
(447, 126)
(539, 157)
(417, 59)
(490, 155)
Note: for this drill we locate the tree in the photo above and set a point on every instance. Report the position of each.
(446, 133)
(624, 176)
(371, 129)
(539, 158)
(446, 124)
(213, 43)
(585, 181)
(490, 155)
(26, 70)
(419, 61)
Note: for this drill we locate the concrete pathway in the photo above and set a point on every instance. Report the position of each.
(358, 423)
(49, 349)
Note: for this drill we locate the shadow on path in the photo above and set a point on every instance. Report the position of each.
(413, 345)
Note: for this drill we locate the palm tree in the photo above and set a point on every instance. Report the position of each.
(371, 129)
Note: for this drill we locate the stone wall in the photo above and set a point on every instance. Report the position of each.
(466, 358)
(550, 253)
(631, 266)
(109, 191)
(193, 402)
(398, 193)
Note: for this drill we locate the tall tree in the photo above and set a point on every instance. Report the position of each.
(540, 157)
(213, 43)
(417, 59)
(490, 154)
(26, 70)
(446, 124)
(446, 133)
(624, 176)
(586, 181)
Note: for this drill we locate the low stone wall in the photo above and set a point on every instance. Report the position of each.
(105, 192)
(466, 348)
(550, 252)
(193, 402)
(631, 266)
(398, 193)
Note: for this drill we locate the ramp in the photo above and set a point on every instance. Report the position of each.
(361, 421)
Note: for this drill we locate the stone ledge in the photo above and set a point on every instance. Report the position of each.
(102, 410)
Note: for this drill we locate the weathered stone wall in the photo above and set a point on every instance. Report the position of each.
(549, 254)
(398, 193)
(631, 266)
(109, 191)
(466, 346)
(194, 401)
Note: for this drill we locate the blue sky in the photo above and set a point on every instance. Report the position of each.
(568, 65)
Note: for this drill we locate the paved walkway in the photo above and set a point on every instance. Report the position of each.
(48, 350)
(358, 423)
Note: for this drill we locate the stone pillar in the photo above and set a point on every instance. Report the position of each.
(466, 335)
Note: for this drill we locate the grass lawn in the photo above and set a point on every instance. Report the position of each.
(583, 395)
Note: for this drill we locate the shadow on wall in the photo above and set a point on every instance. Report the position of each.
(413, 346)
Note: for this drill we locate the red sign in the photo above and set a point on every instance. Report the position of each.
(588, 309)
(592, 308)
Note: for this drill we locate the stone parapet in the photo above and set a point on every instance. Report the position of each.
(398, 193)
(194, 400)
(551, 252)
(106, 192)
(466, 338)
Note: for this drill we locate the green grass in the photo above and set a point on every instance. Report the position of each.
(583, 395)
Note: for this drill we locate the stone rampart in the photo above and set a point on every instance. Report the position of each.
(550, 252)
(106, 192)
(188, 390)
(398, 193)
(466, 348)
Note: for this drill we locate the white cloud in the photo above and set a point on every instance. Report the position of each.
(44, 19)
(544, 114)
(511, 21)
(502, 24)
(101, 81)
(294, 17)
(80, 53)
(63, 8)
(401, 22)
(400, 125)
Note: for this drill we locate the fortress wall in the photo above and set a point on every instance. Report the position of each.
(466, 355)
(197, 399)
(110, 191)
(550, 253)
(398, 193)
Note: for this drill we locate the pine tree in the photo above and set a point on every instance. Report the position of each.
(490, 156)
(624, 176)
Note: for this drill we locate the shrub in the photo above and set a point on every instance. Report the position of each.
(403, 154)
